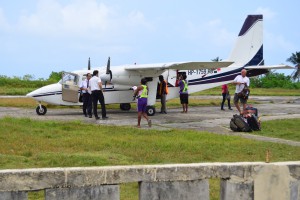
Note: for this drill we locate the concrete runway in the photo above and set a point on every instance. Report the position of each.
(207, 118)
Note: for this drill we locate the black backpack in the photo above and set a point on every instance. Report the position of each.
(253, 123)
(238, 123)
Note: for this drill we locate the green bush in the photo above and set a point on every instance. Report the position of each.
(55, 76)
(17, 82)
(274, 80)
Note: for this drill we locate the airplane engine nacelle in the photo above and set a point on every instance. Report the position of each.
(126, 80)
(105, 77)
(123, 77)
(122, 87)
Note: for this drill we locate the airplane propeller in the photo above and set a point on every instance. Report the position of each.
(89, 64)
(108, 71)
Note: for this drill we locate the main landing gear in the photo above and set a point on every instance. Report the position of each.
(125, 106)
(150, 110)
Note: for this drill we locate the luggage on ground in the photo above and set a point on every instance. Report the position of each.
(252, 110)
(254, 123)
(239, 123)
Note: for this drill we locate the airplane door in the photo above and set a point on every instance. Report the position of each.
(70, 87)
(172, 77)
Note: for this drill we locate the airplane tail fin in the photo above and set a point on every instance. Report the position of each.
(248, 49)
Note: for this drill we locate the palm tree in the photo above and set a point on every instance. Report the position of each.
(217, 59)
(295, 59)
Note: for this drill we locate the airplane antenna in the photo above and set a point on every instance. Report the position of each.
(89, 64)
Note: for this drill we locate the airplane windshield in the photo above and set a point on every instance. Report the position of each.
(69, 79)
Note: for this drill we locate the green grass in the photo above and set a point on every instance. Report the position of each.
(26, 143)
(284, 128)
(4, 90)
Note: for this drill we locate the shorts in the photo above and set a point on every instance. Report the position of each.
(142, 104)
(236, 99)
(184, 98)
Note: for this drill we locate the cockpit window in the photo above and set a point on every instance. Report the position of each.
(69, 79)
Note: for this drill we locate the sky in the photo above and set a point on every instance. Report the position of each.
(41, 36)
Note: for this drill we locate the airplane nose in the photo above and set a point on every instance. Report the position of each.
(30, 94)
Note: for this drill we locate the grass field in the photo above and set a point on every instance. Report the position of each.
(26, 143)
(284, 128)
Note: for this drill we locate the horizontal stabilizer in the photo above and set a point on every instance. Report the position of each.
(179, 66)
(270, 67)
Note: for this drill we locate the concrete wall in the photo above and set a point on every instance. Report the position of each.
(179, 181)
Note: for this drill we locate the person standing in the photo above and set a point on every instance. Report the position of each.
(97, 94)
(142, 92)
(225, 93)
(86, 96)
(184, 95)
(240, 81)
(163, 91)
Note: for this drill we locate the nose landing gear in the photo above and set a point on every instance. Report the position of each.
(41, 109)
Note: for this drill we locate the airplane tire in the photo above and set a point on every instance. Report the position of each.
(42, 110)
(125, 106)
(150, 110)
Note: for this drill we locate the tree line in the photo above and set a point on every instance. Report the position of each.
(28, 81)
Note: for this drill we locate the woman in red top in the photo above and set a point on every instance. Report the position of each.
(225, 91)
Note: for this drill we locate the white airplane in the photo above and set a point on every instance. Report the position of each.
(247, 53)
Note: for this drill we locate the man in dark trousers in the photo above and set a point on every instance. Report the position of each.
(163, 91)
(97, 94)
(240, 82)
(86, 96)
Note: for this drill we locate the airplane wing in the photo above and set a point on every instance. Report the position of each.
(270, 67)
(179, 66)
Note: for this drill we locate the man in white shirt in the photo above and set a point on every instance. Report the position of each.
(86, 96)
(97, 94)
(240, 81)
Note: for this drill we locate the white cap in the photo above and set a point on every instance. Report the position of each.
(134, 87)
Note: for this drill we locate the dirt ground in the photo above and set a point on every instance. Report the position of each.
(208, 118)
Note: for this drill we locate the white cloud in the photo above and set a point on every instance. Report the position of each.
(78, 18)
(88, 19)
(137, 18)
(3, 23)
(214, 23)
(266, 12)
(278, 42)
(211, 33)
